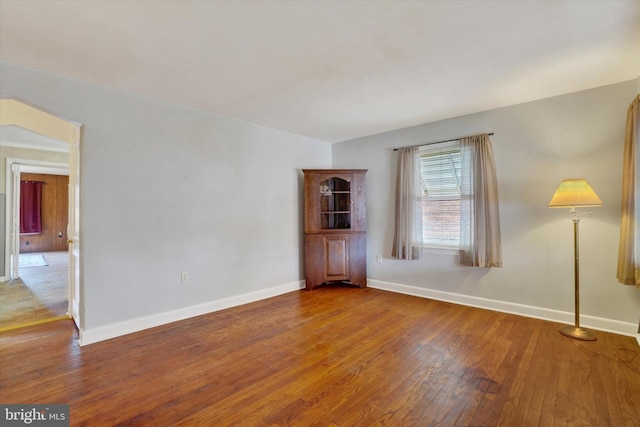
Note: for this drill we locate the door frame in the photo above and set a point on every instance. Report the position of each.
(15, 167)
(27, 116)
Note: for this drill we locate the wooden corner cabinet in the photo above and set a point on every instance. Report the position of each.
(335, 240)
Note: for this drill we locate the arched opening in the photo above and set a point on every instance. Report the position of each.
(20, 115)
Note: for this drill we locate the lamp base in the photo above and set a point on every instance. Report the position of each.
(578, 333)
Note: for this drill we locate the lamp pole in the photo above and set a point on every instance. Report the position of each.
(576, 331)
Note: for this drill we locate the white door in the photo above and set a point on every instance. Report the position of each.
(14, 232)
(73, 228)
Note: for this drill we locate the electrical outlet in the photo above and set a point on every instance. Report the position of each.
(184, 278)
(379, 259)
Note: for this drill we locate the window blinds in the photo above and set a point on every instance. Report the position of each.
(440, 171)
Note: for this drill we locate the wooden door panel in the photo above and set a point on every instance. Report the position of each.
(336, 256)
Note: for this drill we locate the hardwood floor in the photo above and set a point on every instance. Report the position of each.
(41, 293)
(330, 357)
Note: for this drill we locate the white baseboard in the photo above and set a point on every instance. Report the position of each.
(90, 336)
(597, 323)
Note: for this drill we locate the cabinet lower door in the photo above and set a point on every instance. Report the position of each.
(336, 258)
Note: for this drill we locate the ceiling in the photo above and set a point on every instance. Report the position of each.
(330, 70)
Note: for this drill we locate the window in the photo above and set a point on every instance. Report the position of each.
(456, 187)
(440, 167)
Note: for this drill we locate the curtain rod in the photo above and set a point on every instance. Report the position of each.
(442, 142)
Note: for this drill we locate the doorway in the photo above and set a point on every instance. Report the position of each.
(40, 292)
(16, 115)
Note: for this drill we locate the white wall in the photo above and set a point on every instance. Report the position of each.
(167, 189)
(536, 145)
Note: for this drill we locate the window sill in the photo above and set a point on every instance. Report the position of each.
(433, 249)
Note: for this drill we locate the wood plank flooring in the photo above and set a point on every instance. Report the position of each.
(39, 294)
(330, 357)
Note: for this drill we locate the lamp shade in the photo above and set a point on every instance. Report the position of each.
(574, 192)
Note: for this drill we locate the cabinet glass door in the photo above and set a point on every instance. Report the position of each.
(335, 204)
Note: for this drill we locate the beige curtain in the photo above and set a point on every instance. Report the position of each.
(629, 248)
(407, 239)
(480, 243)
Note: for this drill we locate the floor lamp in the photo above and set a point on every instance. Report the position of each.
(570, 194)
